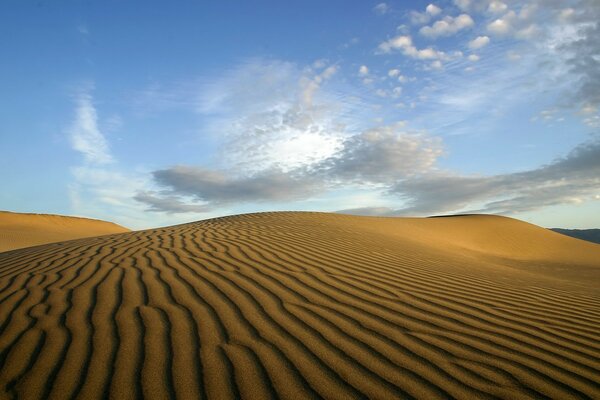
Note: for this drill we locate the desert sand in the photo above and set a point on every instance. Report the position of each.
(305, 306)
(19, 230)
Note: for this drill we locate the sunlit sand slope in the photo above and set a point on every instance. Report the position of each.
(23, 230)
(305, 305)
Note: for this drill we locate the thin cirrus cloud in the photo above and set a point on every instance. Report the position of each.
(381, 9)
(84, 133)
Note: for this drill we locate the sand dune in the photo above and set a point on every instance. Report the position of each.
(305, 305)
(19, 230)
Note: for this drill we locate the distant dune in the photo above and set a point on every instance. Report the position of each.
(305, 306)
(591, 235)
(19, 230)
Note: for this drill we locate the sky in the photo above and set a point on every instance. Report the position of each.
(152, 113)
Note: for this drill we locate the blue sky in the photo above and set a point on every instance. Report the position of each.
(153, 113)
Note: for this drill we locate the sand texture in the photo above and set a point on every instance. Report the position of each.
(305, 306)
(19, 230)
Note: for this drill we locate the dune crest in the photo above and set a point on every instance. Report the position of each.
(304, 305)
(19, 230)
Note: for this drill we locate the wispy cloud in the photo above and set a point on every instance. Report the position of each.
(101, 187)
(571, 179)
(381, 8)
(84, 134)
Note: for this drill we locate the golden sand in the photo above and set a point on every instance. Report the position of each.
(305, 305)
(24, 230)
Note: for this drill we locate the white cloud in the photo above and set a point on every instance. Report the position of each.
(497, 7)
(418, 18)
(499, 27)
(528, 11)
(404, 44)
(381, 8)
(502, 26)
(85, 135)
(433, 10)
(447, 26)
(479, 42)
(274, 114)
(528, 32)
(311, 85)
(398, 42)
(393, 72)
(513, 55)
(473, 57)
(463, 4)
(437, 64)
(363, 70)
(320, 63)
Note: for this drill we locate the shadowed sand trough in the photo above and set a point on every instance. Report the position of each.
(304, 305)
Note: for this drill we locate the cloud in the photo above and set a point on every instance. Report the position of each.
(570, 179)
(404, 44)
(502, 26)
(433, 10)
(447, 26)
(479, 42)
(377, 156)
(84, 133)
(370, 211)
(418, 18)
(169, 204)
(497, 7)
(381, 9)
(274, 114)
(437, 64)
(583, 53)
(100, 188)
(363, 70)
(83, 29)
(311, 85)
(463, 4)
(382, 155)
(217, 188)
